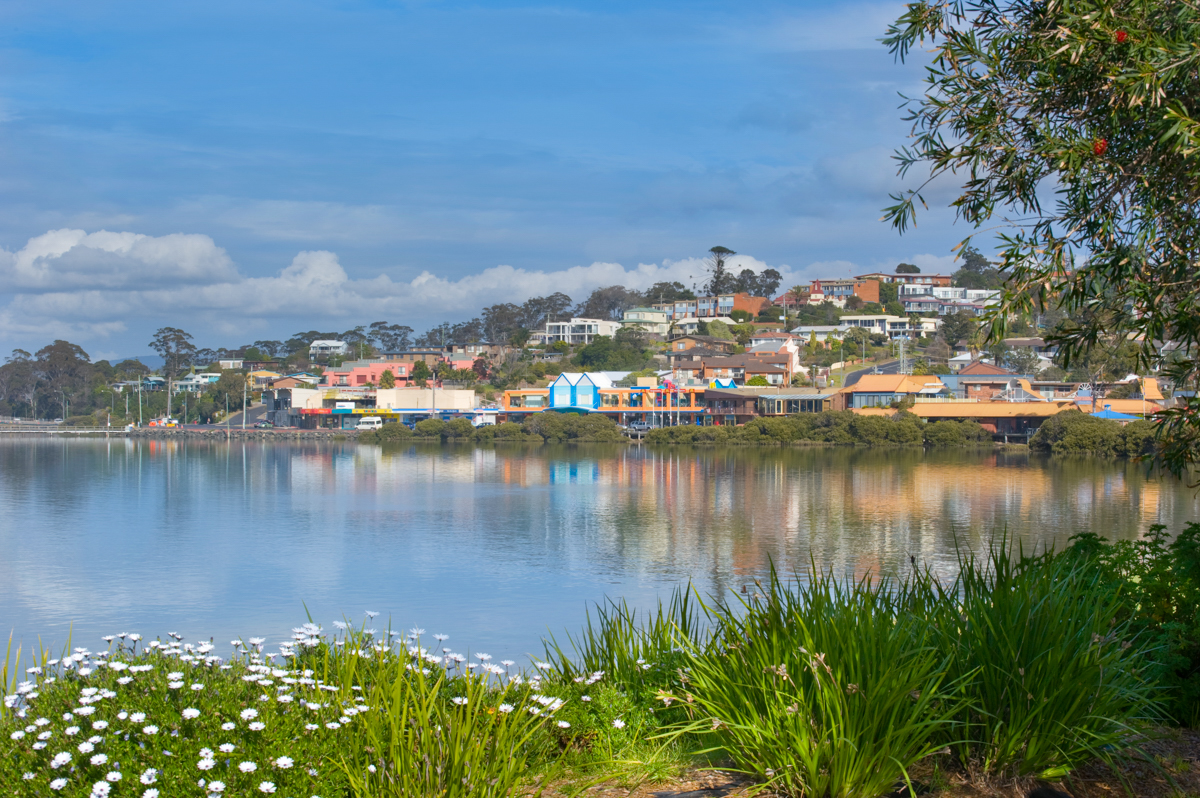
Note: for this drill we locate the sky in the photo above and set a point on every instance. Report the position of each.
(246, 171)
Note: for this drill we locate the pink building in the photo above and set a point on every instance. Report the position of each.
(361, 372)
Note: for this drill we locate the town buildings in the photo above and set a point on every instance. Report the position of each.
(712, 307)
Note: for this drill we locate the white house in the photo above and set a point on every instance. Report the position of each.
(579, 331)
(818, 332)
(195, 383)
(652, 320)
(328, 348)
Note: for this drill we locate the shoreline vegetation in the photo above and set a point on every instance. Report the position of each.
(1023, 669)
(1066, 433)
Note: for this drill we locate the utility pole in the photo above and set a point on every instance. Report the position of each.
(245, 385)
(140, 379)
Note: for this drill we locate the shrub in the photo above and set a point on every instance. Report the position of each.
(459, 428)
(431, 428)
(1050, 675)
(1138, 439)
(822, 688)
(1159, 585)
(1073, 432)
(559, 427)
(945, 433)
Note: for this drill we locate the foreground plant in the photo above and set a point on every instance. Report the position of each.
(823, 688)
(1049, 676)
(172, 719)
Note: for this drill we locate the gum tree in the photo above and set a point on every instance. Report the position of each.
(1072, 127)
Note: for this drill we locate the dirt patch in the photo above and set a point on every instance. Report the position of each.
(1171, 771)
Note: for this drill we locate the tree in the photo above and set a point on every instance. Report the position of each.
(1094, 102)
(387, 379)
(176, 349)
(888, 292)
(907, 268)
(421, 373)
(609, 303)
(854, 302)
(389, 337)
(894, 308)
(758, 381)
(958, 327)
(720, 281)
(719, 329)
(668, 292)
(1022, 360)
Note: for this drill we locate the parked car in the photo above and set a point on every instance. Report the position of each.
(263, 425)
(641, 426)
(369, 422)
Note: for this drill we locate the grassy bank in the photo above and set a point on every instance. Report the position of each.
(1023, 668)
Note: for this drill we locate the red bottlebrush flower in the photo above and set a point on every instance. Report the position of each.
(1122, 36)
(1100, 147)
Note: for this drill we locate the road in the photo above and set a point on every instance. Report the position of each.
(890, 367)
(253, 414)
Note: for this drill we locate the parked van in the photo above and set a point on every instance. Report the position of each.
(370, 422)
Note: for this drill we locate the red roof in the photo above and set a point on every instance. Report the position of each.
(979, 367)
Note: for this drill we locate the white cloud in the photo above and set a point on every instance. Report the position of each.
(104, 283)
(74, 259)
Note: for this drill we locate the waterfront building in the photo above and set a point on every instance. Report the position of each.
(884, 390)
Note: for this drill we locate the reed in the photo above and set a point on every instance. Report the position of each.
(823, 687)
(1049, 676)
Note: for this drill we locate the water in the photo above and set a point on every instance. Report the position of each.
(493, 546)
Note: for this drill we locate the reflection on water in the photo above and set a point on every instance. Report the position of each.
(494, 545)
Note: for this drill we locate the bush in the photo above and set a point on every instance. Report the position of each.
(1159, 586)
(1073, 432)
(559, 427)
(955, 433)
(1050, 674)
(1138, 439)
(431, 428)
(822, 688)
(458, 428)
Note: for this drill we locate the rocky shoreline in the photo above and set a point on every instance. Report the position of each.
(218, 433)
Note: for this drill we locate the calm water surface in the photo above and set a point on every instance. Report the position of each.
(492, 546)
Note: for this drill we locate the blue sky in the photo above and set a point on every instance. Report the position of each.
(248, 170)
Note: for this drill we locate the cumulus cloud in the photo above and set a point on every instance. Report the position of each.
(80, 286)
(74, 259)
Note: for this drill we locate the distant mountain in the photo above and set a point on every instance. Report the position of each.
(149, 361)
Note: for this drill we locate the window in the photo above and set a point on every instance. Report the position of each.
(534, 401)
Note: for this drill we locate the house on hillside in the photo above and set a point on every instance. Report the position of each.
(685, 342)
(328, 348)
(775, 369)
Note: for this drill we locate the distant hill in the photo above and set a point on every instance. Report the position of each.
(149, 361)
